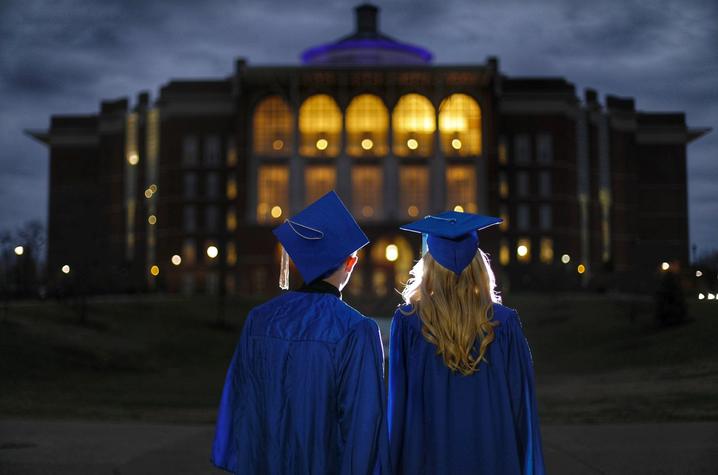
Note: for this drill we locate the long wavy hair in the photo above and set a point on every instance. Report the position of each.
(456, 311)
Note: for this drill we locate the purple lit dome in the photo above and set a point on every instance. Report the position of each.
(366, 46)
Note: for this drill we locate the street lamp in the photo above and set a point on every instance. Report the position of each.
(19, 250)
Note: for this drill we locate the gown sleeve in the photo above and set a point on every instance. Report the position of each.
(397, 390)
(231, 407)
(362, 414)
(523, 399)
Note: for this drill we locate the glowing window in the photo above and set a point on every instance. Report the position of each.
(523, 250)
(273, 128)
(546, 250)
(461, 187)
(320, 126)
(503, 185)
(231, 188)
(460, 125)
(231, 220)
(503, 152)
(367, 122)
(231, 253)
(504, 214)
(504, 253)
(272, 193)
(231, 152)
(413, 190)
(366, 192)
(414, 123)
(318, 180)
(189, 251)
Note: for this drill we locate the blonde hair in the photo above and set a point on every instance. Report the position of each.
(454, 310)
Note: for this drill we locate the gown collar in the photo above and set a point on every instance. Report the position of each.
(320, 286)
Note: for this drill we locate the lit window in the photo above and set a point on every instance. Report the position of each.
(189, 218)
(367, 122)
(272, 192)
(523, 250)
(522, 148)
(273, 128)
(190, 150)
(379, 282)
(231, 219)
(504, 253)
(503, 185)
(523, 217)
(231, 188)
(367, 192)
(544, 148)
(546, 250)
(318, 181)
(231, 253)
(413, 190)
(461, 187)
(460, 125)
(231, 152)
(545, 217)
(212, 151)
(320, 126)
(189, 187)
(503, 152)
(522, 183)
(504, 214)
(414, 123)
(189, 251)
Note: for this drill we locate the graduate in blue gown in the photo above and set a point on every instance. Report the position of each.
(304, 392)
(461, 380)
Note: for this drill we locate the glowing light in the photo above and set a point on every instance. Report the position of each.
(176, 259)
(522, 250)
(65, 269)
(212, 252)
(278, 145)
(565, 258)
(133, 159)
(152, 219)
(413, 211)
(155, 270)
(456, 144)
(665, 266)
(459, 209)
(711, 296)
(699, 273)
(701, 296)
(276, 211)
(581, 269)
(367, 144)
(412, 144)
(391, 253)
(148, 193)
(19, 250)
(262, 209)
(367, 211)
(153, 188)
(452, 122)
(322, 144)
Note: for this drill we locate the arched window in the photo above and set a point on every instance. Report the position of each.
(273, 128)
(320, 126)
(367, 125)
(414, 124)
(460, 126)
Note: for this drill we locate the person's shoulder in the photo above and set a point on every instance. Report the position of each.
(406, 315)
(505, 315)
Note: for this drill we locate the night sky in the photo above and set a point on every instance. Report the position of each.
(64, 56)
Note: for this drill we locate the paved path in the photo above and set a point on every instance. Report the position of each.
(70, 447)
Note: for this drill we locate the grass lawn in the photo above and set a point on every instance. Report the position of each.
(597, 358)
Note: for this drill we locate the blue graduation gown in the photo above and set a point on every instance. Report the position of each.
(441, 422)
(304, 392)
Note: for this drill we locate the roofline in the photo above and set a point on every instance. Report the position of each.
(39, 135)
(694, 133)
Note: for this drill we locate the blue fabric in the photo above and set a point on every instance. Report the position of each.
(452, 237)
(321, 236)
(304, 392)
(442, 422)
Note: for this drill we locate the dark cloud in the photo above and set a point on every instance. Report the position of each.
(65, 56)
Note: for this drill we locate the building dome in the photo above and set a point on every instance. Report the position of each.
(366, 46)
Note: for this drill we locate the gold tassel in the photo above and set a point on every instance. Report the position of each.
(284, 270)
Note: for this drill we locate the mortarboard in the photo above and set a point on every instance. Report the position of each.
(318, 238)
(452, 237)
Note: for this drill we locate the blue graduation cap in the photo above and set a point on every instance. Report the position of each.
(451, 237)
(318, 238)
